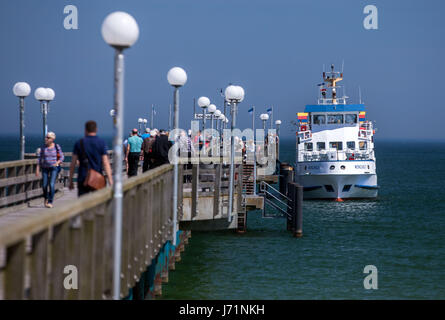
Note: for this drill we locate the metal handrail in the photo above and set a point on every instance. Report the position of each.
(262, 183)
(277, 207)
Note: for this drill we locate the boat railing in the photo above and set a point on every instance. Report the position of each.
(335, 155)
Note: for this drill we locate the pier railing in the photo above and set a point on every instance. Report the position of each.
(38, 252)
(19, 183)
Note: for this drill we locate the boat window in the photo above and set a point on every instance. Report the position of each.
(335, 118)
(350, 145)
(350, 118)
(362, 145)
(308, 146)
(336, 145)
(321, 146)
(319, 119)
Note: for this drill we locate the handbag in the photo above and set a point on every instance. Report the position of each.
(94, 180)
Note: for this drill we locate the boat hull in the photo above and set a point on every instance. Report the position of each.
(339, 186)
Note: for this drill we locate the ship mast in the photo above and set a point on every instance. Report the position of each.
(331, 81)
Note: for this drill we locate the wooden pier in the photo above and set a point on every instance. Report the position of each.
(39, 245)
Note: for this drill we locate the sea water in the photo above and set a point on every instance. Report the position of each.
(401, 233)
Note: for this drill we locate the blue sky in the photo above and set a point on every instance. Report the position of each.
(274, 49)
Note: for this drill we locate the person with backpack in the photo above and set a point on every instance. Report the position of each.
(90, 153)
(50, 158)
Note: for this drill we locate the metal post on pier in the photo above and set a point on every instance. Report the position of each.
(118, 167)
(22, 90)
(44, 107)
(120, 31)
(234, 94)
(177, 78)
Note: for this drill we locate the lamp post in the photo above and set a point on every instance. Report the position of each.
(140, 122)
(211, 109)
(44, 96)
(264, 117)
(22, 90)
(176, 77)
(120, 31)
(217, 115)
(203, 103)
(277, 125)
(234, 95)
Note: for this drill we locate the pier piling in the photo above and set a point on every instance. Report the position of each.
(295, 212)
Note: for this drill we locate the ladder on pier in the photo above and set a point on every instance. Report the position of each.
(248, 179)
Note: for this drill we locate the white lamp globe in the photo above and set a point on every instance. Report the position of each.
(120, 29)
(240, 93)
(211, 108)
(231, 93)
(140, 120)
(217, 114)
(21, 89)
(278, 122)
(112, 112)
(41, 94)
(145, 120)
(177, 77)
(264, 116)
(203, 102)
(50, 94)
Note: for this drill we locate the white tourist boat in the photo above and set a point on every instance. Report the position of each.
(335, 156)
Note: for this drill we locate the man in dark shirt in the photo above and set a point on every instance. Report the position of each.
(89, 152)
(161, 146)
(147, 146)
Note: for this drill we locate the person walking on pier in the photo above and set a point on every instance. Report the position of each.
(147, 150)
(146, 134)
(89, 153)
(133, 153)
(161, 146)
(50, 158)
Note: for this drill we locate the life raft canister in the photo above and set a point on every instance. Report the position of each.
(303, 127)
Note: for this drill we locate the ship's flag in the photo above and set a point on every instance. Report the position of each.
(302, 116)
(269, 110)
(362, 116)
(250, 110)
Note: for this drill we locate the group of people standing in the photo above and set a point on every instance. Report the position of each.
(152, 147)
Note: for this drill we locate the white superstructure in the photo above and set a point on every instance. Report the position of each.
(335, 147)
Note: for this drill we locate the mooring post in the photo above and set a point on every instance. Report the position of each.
(291, 204)
(299, 212)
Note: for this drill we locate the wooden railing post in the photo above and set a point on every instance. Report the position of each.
(14, 273)
(87, 264)
(39, 266)
(58, 260)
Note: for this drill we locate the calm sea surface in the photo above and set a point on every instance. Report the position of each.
(402, 233)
